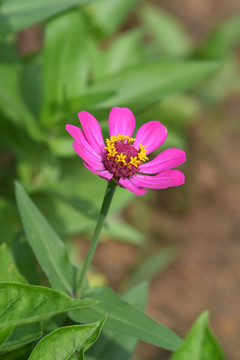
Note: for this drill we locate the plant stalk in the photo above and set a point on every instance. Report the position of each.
(102, 216)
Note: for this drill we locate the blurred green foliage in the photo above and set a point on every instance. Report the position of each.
(95, 55)
(90, 61)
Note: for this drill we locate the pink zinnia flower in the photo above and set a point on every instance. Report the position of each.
(123, 158)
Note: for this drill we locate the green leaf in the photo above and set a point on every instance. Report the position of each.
(160, 79)
(8, 270)
(5, 333)
(18, 15)
(137, 295)
(18, 354)
(22, 335)
(223, 38)
(107, 15)
(170, 38)
(65, 68)
(47, 246)
(32, 90)
(199, 344)
(8, 49)
(117, 346)
(125, 319)
(178, 111)
(124, 52)
(65, 342)
(25, 259)
(11, 101)
(23, 304)
(8, 212)
(223, 83)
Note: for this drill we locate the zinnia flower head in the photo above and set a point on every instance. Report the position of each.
(123, 158)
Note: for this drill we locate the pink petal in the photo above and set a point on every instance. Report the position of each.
(152, 135)
(92, 130)
(131, 187)
(80, 138)
(167, 160)
(121, 122)
(104, 174)
(160, 181)
(90, 158)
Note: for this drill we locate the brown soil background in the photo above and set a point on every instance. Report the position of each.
(201, 218)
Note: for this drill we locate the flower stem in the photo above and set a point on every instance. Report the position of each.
(102, 216)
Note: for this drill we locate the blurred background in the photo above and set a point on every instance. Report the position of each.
(176, 63)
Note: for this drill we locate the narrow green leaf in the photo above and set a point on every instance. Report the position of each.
(12, 103)
(223, 83)
(8, 270)
(124, 52)
(22, 304)
(32, 90)
(118, 346)
(177, 111)
(170, 38)
(8, 212)
(160, 79)
(222, 39)
(18, 15)
(65, 60)
(137, 295)
(125, 319)
(107, 15)
(47, 246)
(200, 343)
(22, 335)
(61, 113)
(65, 342)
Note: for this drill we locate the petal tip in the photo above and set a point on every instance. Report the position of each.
(68, 127)
(181, 178)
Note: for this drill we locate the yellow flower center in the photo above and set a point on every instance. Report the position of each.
(122, 158)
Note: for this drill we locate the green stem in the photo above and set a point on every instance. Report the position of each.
(102, 216)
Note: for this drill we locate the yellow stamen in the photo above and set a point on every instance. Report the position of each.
(142, 153)
(121, 158)
(114, 139)
(111, 151)
(134, 161)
